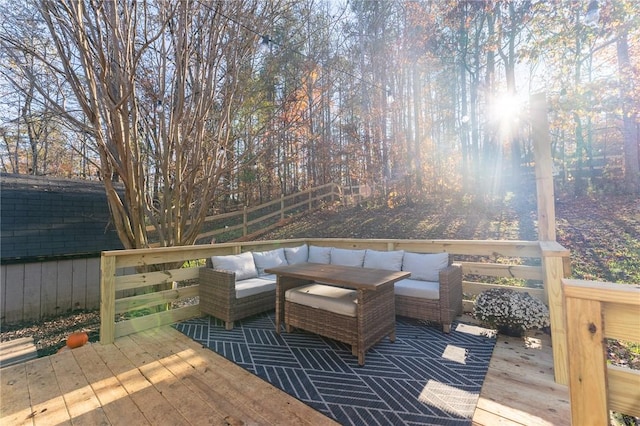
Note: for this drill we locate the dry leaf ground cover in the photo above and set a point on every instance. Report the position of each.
(603, 234)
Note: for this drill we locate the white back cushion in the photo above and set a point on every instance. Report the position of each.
(269, 259)
(347, 257)
(425, 267)
(389, 260)
(298, 254)
(242, 264)
(319, 254)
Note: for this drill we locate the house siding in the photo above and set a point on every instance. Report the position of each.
(52, 231)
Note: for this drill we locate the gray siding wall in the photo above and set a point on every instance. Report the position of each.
(32, 291)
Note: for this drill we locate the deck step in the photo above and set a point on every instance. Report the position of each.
(17, 351)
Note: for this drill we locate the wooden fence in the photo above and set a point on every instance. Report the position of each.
(595, 312)
(267, 216)
(158, 296)
(31, 291)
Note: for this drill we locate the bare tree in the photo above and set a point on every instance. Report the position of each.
(157, 83)
(628, 79)
(27, 120)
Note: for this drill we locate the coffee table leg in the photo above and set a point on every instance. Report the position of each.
(283, 284)
(279, 303)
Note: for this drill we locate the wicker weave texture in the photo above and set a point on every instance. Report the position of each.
(374, 320)
(443, 310)
(218, 297)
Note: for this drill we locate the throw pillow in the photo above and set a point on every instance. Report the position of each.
(242, 264)
(425, 267)
(298, 254)
(347, 257)
(389, 260)
(269, 259)
(319, 254)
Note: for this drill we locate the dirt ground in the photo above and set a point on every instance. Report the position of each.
(50, 335)
(602, 233)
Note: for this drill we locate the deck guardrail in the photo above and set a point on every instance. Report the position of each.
(595, 312)
(141, 292)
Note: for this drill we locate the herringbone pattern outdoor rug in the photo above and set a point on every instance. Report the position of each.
(424, 378)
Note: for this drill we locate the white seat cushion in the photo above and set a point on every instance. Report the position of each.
(270, 277)
(418, 289)
(253, 286)
(425, 267)
(347, 257)
(389, 260)
(329, 298)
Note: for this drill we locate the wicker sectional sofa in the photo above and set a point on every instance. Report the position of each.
(233, 287)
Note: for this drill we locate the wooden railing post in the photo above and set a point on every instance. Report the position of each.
(543, 167)
(553, 255)
(245, 228)
(107, 299)
(552, 252)
(588, 387)
(595, 312)
(281, 206)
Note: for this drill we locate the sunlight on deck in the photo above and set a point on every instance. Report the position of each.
(474, 330)
(455, 354)
(433, 392)
(491, 413)
(519, 388)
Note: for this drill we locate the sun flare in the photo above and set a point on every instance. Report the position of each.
(507, 107)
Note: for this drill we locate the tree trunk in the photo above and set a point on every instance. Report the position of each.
(629, 118)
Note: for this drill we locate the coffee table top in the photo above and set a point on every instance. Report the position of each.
(347, 276)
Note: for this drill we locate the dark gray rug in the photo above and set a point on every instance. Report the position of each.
(424, 378)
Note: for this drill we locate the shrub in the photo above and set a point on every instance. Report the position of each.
(503, 308)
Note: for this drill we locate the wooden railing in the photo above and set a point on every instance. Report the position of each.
(139, 297)
(597, 311)
(264, 217)
(135, 297)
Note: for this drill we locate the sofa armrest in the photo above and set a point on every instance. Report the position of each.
(218, 283)
(450, 279)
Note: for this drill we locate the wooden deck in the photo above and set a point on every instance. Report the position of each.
(162, 377)
(17, 351)
(519, 388)
(158, 377)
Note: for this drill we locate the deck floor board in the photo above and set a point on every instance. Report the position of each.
(519, 388)
(46, 398)
(81, 402)
(160, 376)
(116, 402)
(17, 351)
(15, 404)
